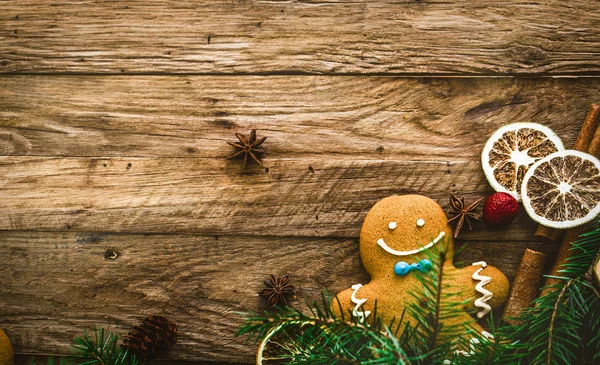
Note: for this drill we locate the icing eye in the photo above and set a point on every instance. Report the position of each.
(420, 222)
(392, 225)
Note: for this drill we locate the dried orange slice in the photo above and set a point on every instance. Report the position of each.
(562, 190)
(268, 349)
(512, 149)
(280, 344)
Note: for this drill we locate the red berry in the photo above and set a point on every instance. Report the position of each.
(500, 209)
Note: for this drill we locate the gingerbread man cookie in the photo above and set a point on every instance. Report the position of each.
(395, 239)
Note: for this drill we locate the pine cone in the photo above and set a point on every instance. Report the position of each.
(152, 338)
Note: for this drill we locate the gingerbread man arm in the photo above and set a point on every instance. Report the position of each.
(354, 303)
(342, 304)
(487, 287)
(498, 285)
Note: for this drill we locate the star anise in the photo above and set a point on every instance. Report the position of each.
(276, 290)
(463, 212)
(249, 146)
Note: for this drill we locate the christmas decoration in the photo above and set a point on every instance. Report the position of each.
(500, 209)
(560, 327)
(463, 212)
(276, 290)
(570, 235)
(288, 336)
(397, 255)
(153, 337)
(6, 350)
(249, 146)
(563, 324)
(329, 336)
(560, 189)
(511, 150)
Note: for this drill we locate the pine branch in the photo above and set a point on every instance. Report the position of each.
(562, 327)
(555, 328)
(322, 338)
(434, 339)
(591, 353)
(101, 350)
(552, 329)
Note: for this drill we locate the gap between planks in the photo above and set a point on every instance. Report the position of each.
(557, 75)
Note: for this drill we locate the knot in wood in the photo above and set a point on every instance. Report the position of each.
(111, 254)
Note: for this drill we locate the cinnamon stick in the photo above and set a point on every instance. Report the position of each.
(549, 234)
(594, 148)
(588, 139)
(564, 252)
(525, 285)
(589, 127)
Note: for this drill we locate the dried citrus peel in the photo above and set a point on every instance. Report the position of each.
(512, 149)
(562, 190)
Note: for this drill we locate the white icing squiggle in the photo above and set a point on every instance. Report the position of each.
(362, 315)
(383, 245)
(486, 295)
(472, 343)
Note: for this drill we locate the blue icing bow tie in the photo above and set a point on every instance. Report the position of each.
(402, 268)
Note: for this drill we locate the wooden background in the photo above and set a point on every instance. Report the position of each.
(114, 117)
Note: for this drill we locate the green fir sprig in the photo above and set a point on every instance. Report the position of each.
(563, 326)
(433, 307)
(102, 349)
(321, 337)
(497, 349)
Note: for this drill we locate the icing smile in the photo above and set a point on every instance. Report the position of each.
(388, 249)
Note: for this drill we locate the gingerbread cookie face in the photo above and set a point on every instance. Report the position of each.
(402, 229)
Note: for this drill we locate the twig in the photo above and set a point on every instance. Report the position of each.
(553, 318)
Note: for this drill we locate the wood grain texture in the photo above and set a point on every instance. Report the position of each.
(54, 284)
(337, 145)
(117, 198)
(147, 154)
(355, 118)
(406, 37)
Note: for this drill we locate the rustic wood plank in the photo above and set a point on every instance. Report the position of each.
(214, 196)
(337, 145)
(55, 284)
(359, 117)
(406, 37)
